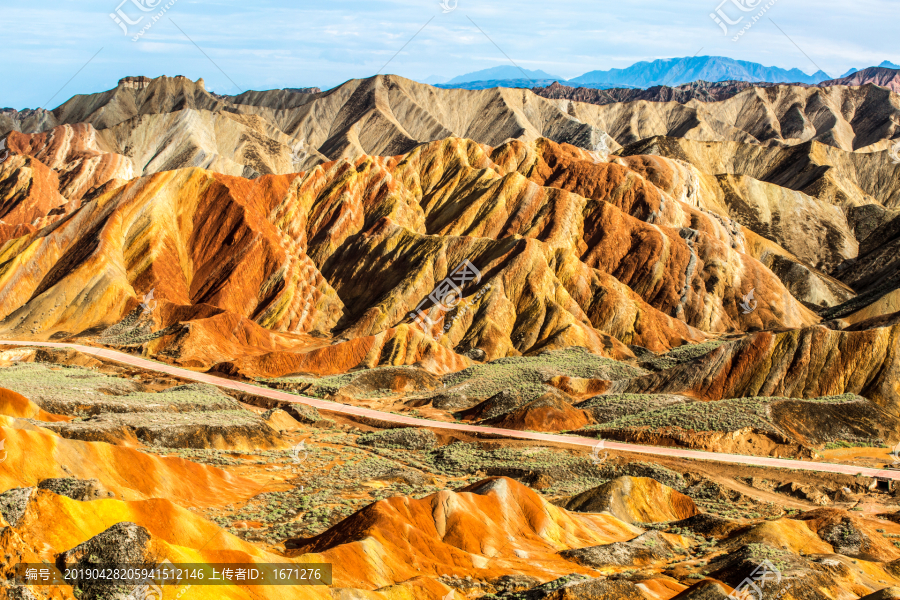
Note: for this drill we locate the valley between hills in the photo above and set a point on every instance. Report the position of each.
(708, 269)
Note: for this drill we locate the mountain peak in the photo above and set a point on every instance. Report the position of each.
(141, 81)
(500, 73)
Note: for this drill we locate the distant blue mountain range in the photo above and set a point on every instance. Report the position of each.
(671, 72)
(675, 71)
(500, 73)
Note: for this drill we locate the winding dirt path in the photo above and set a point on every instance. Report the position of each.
(335, 407)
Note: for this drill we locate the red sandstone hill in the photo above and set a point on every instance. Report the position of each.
(575, 253)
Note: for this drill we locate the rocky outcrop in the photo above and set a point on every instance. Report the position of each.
(645, 549)
(701, 91)
(122, 546)
(409, 438)
(773, 115)
(806, 363)
(851, 535)
(549, 412)
(83, 490)
(880, 76)
(239, 430)
(14, 504)
(635, 500)
(580, 587)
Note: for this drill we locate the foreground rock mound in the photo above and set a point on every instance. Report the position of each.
(494, 527)
(124, 545)
(83, 490)
(891, 593)
(635, 500)
(579, 587)
(705, 590)
(645, 549)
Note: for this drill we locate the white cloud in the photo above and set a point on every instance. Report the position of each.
(281, 43)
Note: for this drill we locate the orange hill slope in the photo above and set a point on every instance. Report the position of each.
(395, 549)
(400, 546)
(34, 454)
(494, 527)
(52, 524)
(307, 255)
(18, 406)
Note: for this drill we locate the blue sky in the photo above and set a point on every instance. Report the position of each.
(273, 43)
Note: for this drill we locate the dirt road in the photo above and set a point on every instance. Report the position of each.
(760, 461)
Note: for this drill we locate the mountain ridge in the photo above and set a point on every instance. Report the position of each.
(708, 68)
(501, 72)
(881, 76)
(645, 74)
(673, 72)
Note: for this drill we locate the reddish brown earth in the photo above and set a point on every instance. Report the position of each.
(880, 76)
(547, 413)
(461, 532)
